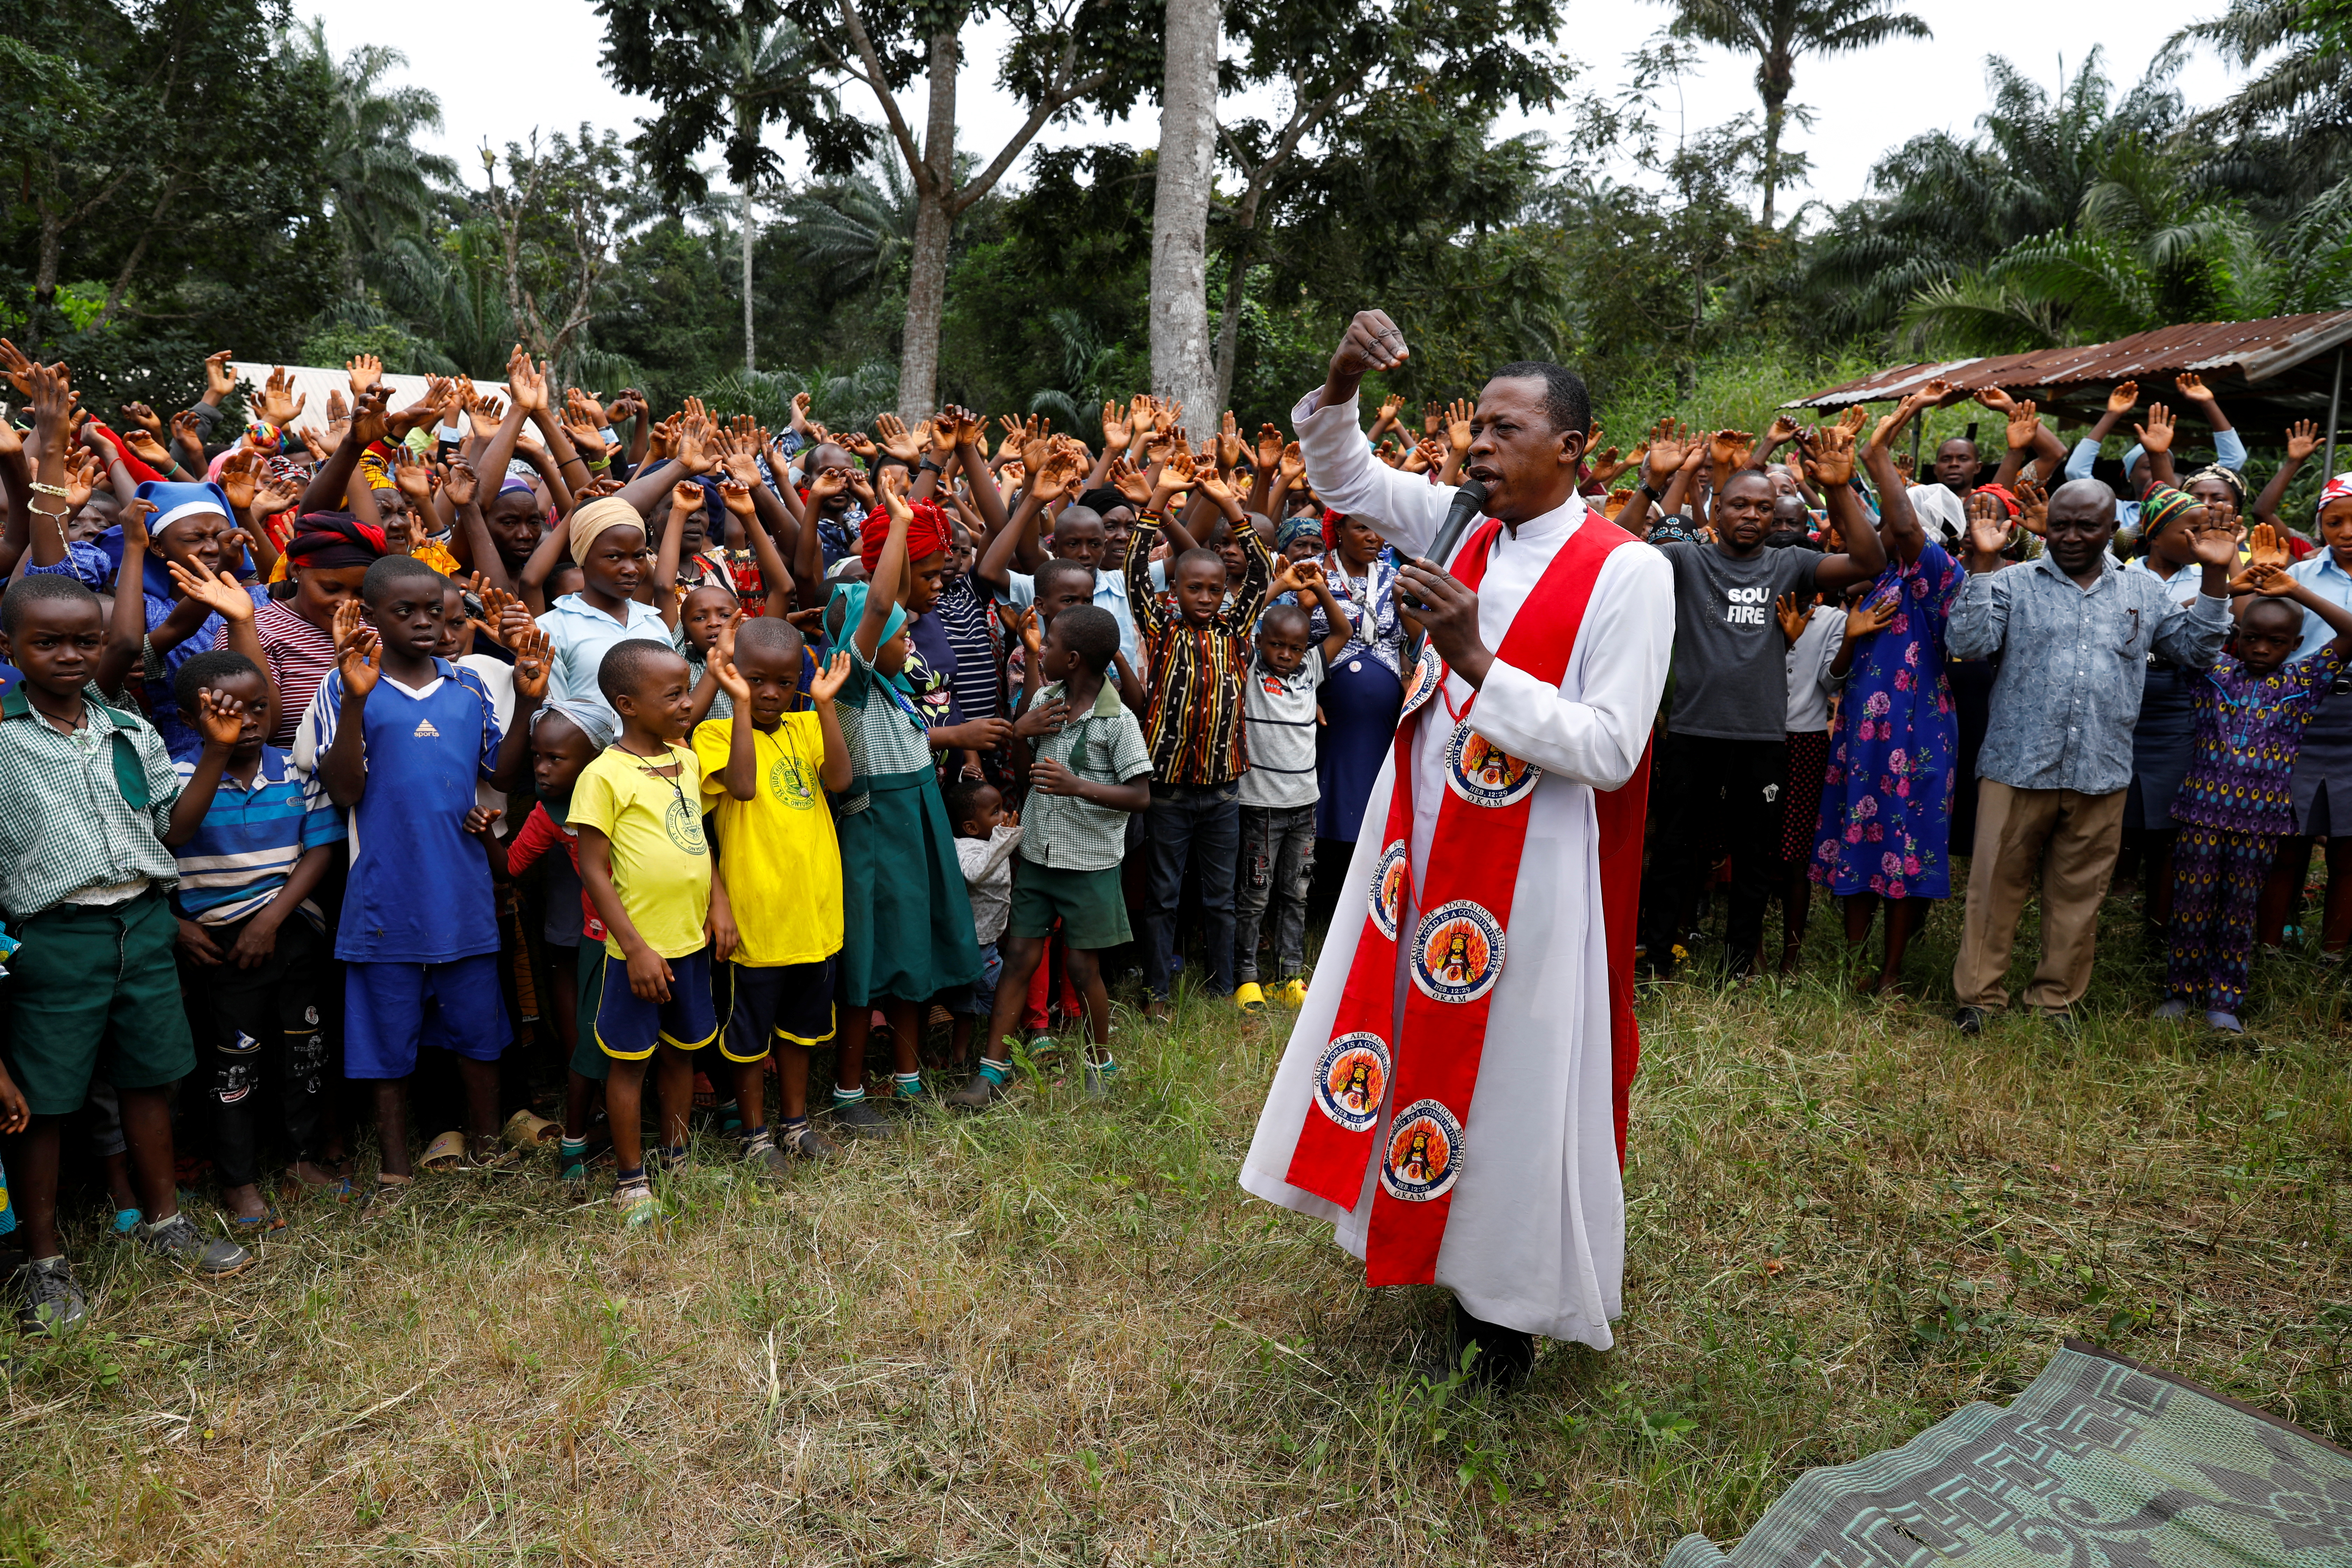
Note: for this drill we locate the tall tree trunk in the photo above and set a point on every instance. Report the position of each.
(1774, 108)
(750, 363)
(927, 272)
(1229, 328)
(1181, 365)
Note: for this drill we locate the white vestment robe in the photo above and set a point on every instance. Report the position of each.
(1536, 1236)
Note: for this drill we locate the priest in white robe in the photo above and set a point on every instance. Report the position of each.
(1534, 1243)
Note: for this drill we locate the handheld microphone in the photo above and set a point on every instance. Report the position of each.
(1467, 503)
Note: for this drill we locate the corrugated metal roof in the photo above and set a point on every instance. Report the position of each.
(313, 382)
(2251, 357)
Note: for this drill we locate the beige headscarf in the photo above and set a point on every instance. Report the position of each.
(604, 512)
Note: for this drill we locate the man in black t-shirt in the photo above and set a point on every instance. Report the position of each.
(1720, 771)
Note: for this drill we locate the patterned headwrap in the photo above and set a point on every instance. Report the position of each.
(2336, 490)
(2161, 507)
(1303, 526)
(2227, 476)
(331, 540)
(928, 535)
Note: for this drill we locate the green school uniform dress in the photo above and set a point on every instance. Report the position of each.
(906, 927)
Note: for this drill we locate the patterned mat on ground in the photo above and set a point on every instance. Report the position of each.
(2102, 1463)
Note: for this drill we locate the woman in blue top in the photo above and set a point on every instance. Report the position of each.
(1363, 689)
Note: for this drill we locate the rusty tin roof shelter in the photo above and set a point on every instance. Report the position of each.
(2266, 373)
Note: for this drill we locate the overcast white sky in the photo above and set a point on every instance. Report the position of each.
(533, 62)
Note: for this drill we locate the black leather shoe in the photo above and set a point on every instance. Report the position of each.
(1969, 1020)
(1504, 1356)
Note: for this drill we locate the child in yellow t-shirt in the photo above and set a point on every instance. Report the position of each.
(648, 870)
(765, 772)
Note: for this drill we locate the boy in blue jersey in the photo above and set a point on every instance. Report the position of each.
(253, 842)
(402, 737)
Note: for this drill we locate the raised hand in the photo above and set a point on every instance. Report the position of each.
(736, 497)
(365, 371)
(896, 440)
(2215, 547)
(830, 676)
(1729, 450)
(220, 718)
(2193, 387)
(219, 380)
(1229, 441)
(240, 476)
(685, 495)
(2266, 546)
(1783, 431)
(2124, 397)
(1459, 415)
(369, 424)
(1607, 464)
(1832, 451)
(2269, 577)
(275, 402)
(1293, 465)
(459, 482)
(2034, 506)
(528, 644)
(1667, 450)
(144, 418)
(1994, 398)
(1388, 416)
(1269, 447)
(412, 475)
(2302, 440)
(2024, 424)
(2156, 436)
(148, 449)
(133, 517)
(895, 485)
(1370, 342)
(1131, 482)
(1427, 453)
(526, 382)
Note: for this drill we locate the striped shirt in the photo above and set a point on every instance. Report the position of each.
(1196, 730)
(80, 811)
(249, 840)
(1281, 712)
(299, 657)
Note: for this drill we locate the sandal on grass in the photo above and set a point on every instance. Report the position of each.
(634, 1200)
(497, 1159)
(261, 1223)
(445, 1154)
(527, 1131)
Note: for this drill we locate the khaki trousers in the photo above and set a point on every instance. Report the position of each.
(2070, 841)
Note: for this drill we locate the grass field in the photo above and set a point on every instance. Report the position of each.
(1060, 1334)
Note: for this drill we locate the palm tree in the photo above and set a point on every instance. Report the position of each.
(765, 65)
(2295, 113)
(1949, 205)
(1776, 32)
(379, 185)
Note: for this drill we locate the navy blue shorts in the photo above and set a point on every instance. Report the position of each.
(628, 1026)
(392, 1009)
(787, 1002)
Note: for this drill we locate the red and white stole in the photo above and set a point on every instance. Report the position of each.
(1456, 952)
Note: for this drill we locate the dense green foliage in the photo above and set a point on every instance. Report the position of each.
(189, 174)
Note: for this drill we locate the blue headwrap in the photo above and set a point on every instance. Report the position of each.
(172, 502)
(1306, 525)
(592, 718)
(849, 599)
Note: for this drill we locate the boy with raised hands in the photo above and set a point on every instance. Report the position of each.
(401, 736)
(765, 773)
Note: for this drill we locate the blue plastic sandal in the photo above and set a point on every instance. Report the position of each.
(125, 1220)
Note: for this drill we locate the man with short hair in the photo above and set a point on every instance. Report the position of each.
(2073, 632)
(1471, 1135)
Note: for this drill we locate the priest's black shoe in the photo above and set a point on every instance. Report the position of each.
(1504, 1356)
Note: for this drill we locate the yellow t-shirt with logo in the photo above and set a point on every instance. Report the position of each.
(661, 863)
(781, 861)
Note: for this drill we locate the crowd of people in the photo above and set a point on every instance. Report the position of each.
(462, 750)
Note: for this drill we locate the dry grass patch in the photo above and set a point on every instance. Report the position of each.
(1059, 1333)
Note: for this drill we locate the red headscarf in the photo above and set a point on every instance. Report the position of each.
(2009, 502)
(928, 535)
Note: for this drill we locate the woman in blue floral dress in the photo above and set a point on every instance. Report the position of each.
(1886, 830)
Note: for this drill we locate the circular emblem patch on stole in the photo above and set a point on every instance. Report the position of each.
(1428, 675)
(1423, 1154)
(1457, 953)
(1483, 774)
(1352, 1077)
(1388, 888)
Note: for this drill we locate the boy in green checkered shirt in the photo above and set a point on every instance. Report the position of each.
(87, 793)
(1091, 771)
